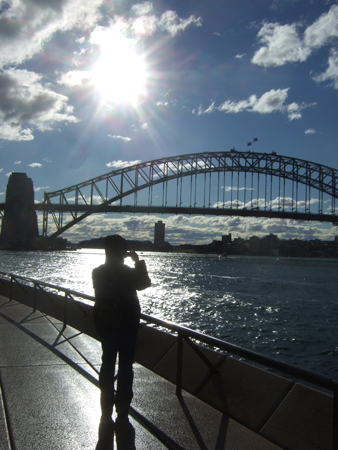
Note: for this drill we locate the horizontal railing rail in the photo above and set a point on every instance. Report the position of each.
(187, 334)
(49, 285)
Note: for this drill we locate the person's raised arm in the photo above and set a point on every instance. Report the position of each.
(142, 280)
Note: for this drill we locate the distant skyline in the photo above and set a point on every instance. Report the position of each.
(87, 86)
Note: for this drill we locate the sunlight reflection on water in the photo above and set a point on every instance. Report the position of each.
(281, 307)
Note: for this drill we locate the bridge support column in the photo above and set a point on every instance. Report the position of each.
(19, 229)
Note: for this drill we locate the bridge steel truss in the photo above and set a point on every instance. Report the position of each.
(214, 183)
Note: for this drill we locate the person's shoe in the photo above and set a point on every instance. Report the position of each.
(125, 434)
(106, 434)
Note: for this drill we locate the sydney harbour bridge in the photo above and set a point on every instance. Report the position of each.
(232, 183)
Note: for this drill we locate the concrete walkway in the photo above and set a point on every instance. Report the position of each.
(49, 397)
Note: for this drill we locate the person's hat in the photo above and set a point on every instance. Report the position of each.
(115, 244)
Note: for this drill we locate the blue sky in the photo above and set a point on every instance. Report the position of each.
(87, 86)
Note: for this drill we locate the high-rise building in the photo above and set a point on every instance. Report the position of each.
(272, 240)
(226, 239)
(159, 233)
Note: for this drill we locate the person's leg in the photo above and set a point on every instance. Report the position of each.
(125, 376)
(107, 372)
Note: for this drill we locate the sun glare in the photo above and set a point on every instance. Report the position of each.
(120, 73)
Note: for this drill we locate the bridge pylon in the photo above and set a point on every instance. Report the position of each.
(19, 228)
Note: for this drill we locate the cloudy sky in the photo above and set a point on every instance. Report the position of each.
(89, 85)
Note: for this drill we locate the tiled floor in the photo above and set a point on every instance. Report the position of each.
(50, 396)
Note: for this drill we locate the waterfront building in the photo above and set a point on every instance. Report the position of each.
(254, 245)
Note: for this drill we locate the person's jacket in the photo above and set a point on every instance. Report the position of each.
(116, 303)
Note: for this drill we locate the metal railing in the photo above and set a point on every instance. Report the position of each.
(69, 294)
(187, 334)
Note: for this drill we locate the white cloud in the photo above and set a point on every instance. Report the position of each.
(235, 107)
(35, 165)
(14, 132)
(81, 40)
(95, 199)
(331, 73)
(121, 164)
(25, 100)
(235, 188)
(146, 24)
(37, 189)
(268, 103)
(139, 126)
(310, 131)
(323, 29)
(75, 78)
(173, 24)
(240, 56)
(271, 101)
(283, 44)
(195, 229)
(141, 9)
(17, 162)
(209, 110)
(25, 26)
(121, 138)
(294, 111)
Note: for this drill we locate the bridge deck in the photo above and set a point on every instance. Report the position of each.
(49, 395)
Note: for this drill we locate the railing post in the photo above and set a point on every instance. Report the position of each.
(11, 290)
(65, 311)
(179, 365)
(34, 304)
(335, 421)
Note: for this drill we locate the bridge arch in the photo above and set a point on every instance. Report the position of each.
(211, 183)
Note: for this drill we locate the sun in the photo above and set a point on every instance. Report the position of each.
(120, 73)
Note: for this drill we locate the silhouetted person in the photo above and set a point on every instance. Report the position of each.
(116, 317)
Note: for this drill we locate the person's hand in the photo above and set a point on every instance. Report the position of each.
(133, 255)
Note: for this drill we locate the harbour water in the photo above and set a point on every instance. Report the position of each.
(286, 308)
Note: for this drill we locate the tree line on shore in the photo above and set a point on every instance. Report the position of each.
(254, 247)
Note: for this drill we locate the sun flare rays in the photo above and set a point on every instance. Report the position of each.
(120, 74)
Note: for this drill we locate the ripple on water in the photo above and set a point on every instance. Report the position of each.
(284, 307)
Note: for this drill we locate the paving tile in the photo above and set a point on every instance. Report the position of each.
(88, 346)
(51, 407)
(20, 313)
(33, 344)
(4, 438)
